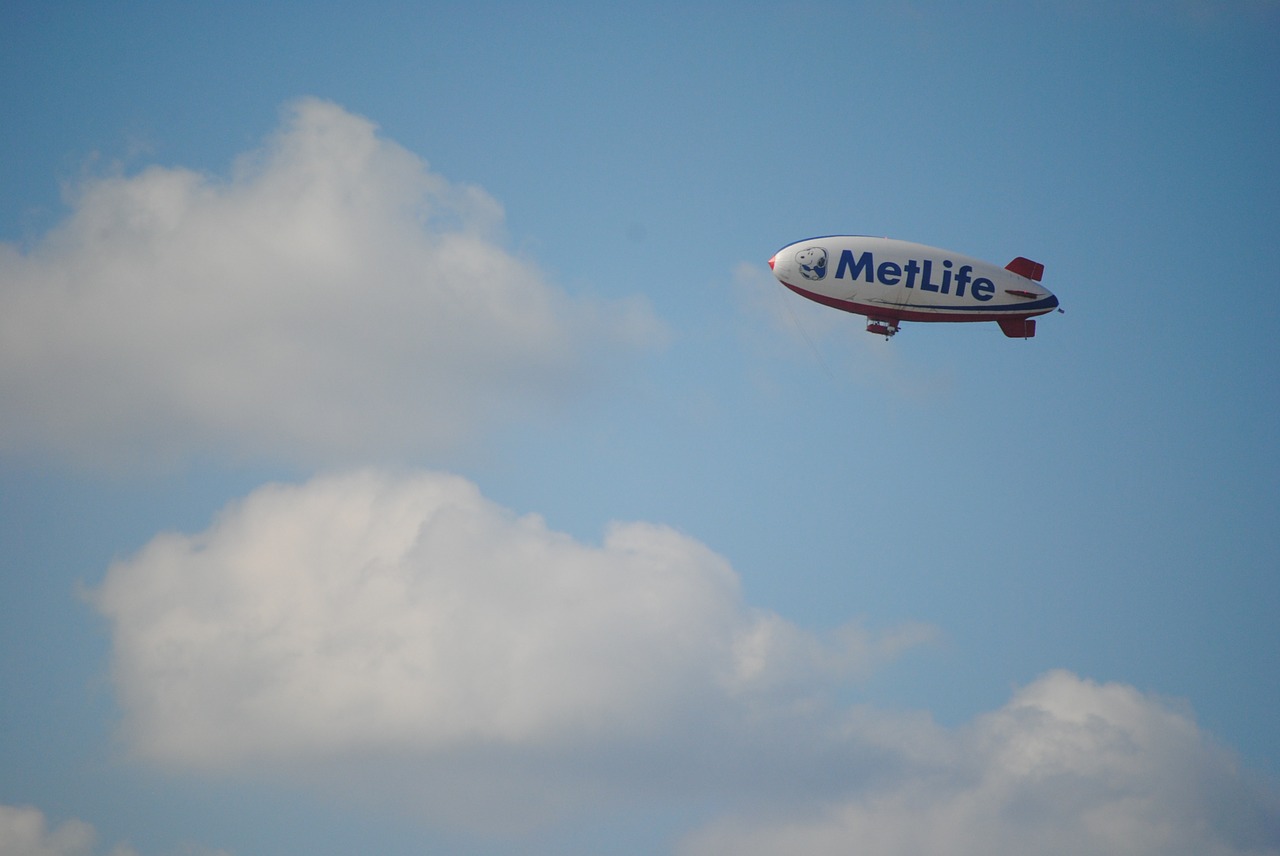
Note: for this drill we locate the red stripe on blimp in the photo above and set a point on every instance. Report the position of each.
(903, 314)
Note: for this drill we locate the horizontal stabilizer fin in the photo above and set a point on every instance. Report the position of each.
(1026, 267)
(1018, 328)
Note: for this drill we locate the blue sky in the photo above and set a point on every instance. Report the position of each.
(404, 446)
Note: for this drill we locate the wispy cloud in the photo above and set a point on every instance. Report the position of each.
(24, 831)
(332, 300)
(782, 327)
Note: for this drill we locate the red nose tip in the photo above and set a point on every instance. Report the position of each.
(771, 261)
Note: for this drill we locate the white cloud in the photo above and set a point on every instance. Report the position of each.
(25, 832)
(1067, 767)
(332, 300)
(404, 637)
(370, 613)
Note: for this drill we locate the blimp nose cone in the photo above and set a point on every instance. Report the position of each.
(772, 261)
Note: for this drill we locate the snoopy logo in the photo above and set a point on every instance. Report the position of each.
(812, 262)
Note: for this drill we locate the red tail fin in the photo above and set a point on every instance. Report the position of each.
(1026, 267)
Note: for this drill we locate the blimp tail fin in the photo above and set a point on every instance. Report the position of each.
(1026, 267)
(1018, 328)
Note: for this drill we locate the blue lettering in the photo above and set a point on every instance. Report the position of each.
(912, 269)
(889, 273)
(864, 263)
(925, 284)
(915, 273)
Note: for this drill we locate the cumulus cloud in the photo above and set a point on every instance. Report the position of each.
(1066, 767)
(365, 612)
(25, 832)
(333, 299)
(401, 635)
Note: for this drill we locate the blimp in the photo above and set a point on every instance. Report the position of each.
(891, 281)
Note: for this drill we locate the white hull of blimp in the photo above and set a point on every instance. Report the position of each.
(892, 281)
